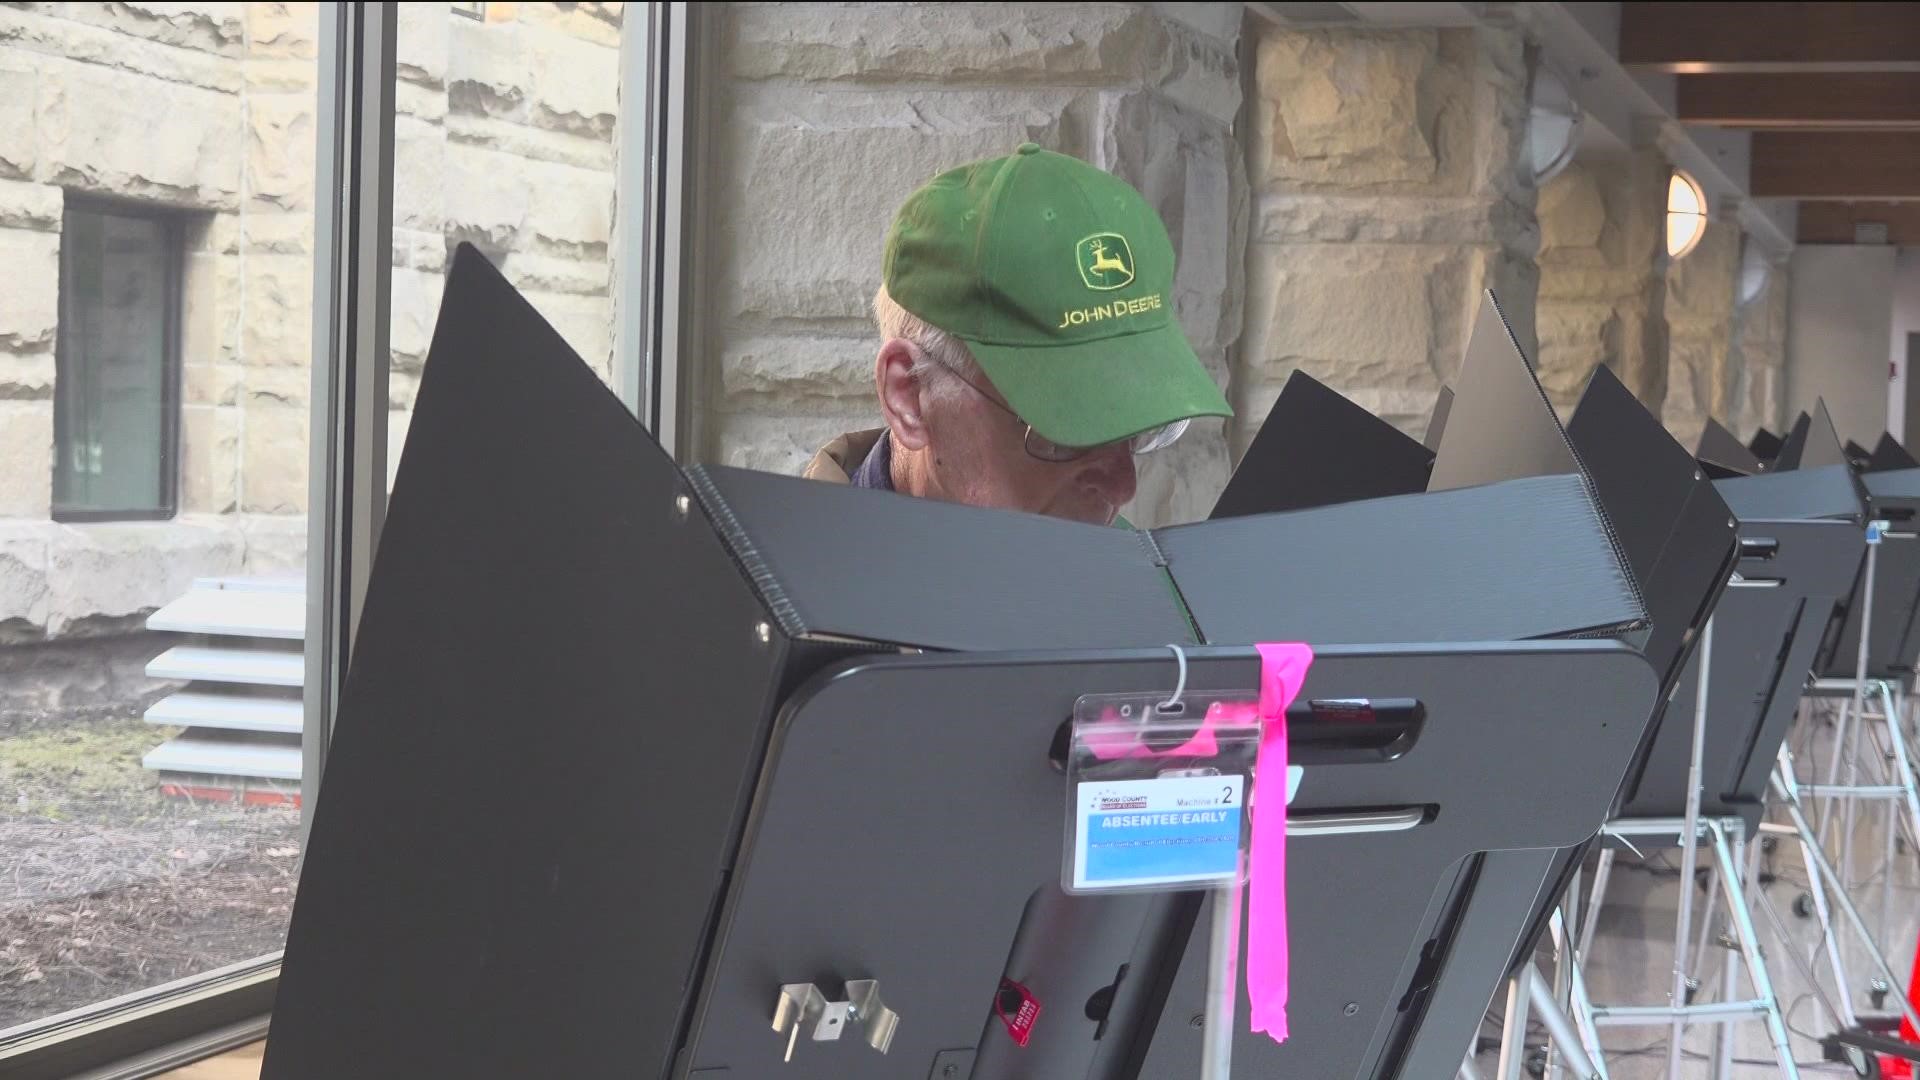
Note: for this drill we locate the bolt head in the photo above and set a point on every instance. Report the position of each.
(763, 632)
(1199, 1020)
(1352, 1008)
(682, 504)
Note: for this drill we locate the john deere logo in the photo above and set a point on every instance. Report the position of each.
(1105, 261)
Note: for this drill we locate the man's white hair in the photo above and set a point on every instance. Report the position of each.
(936, 346)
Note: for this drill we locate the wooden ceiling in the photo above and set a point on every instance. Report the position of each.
(1831, 92)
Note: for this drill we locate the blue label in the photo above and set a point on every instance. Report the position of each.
(1142, 833)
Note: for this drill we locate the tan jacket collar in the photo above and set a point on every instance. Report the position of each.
(838, 460)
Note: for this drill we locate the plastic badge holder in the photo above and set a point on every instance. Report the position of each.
(1158, 792)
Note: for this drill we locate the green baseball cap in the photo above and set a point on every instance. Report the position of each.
(1059, 278)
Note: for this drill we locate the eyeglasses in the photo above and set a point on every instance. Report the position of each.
(1045, 449)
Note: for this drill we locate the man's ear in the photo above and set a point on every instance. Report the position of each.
(900, 399)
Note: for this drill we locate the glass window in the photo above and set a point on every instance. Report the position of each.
(118, 362)
(505, 137)
(156, 262)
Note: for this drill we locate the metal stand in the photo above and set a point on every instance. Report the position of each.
(1728, 839)
(1871, 724)
(1821, 877)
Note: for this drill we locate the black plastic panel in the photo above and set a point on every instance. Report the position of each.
(1316, 448)
(1453, 566)
(556, 707)
(1721, 452)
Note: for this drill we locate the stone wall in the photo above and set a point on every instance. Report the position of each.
(1603, 281)
(1760, 357)
(829, 115)
(1702, 379)
(1390, 186)
(504, 137)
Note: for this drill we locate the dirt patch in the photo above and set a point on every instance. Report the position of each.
(109, 887)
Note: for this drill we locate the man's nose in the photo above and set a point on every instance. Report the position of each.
(1110, 471)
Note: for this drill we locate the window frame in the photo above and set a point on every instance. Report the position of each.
(168, 1026)
(172, 222)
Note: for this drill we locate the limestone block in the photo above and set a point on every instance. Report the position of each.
(212, 295)
(271, 76)
(275, 543)
(1330, 218)
(586, 322)
(276, 325)
(398, 422)
(1572, 211)
(789, 372)
(209, 458)
(270, 233)
(29, 289)
(516, 204)
(280, 148)
(427, 103)
(1690, 390)
(1182, 164)
(288, 30)
(19, 92)
(507, 135)
(1348, 316)
(419, 175)
(26, 205)
(1344, 107)
(1643, 359)
(82, 36)
(24, 551)
(487, 69)
(26, 458)
(1700, 287)
(113, 132)
(274, 477)
(812, 185)
(205, 27)
(595, 22)
(420, 44)
(1054, 44)
(531, 272)
(277, 385)
(419, 250)
(119, 569)
(1218, 21)
(26, 377)
(413, 310)
(1575, 338)
(577, 87)
(210, 384)
(403, 387)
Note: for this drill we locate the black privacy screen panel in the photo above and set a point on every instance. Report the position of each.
(1723, 455)
(483, 894)
(1317, 448)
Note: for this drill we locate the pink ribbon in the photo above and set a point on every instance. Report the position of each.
(1283, 670)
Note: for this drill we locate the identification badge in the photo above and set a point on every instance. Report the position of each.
(1156, 798)
(1171, 830)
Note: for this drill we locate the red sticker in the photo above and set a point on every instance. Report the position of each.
(1018, 1009)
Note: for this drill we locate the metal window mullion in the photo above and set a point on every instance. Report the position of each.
(352, 275)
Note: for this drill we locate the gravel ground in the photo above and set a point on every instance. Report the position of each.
(107, 886)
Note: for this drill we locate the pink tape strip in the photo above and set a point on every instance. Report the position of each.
(1283, 670)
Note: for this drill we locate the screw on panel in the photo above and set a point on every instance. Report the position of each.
(763, 632)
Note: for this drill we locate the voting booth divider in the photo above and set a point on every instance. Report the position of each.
(627, 751)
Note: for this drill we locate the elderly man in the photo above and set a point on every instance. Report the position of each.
(1028, 344)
